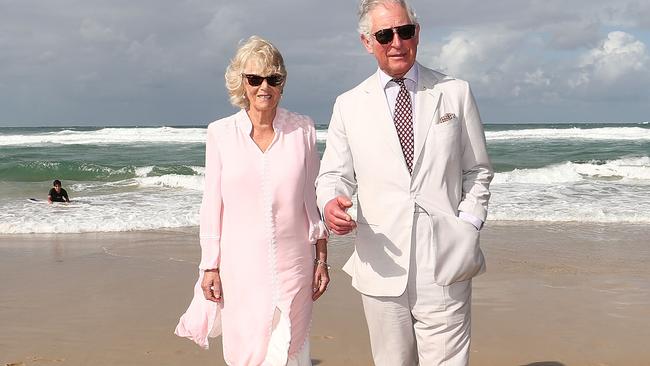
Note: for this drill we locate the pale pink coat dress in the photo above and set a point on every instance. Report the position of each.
(258, 224)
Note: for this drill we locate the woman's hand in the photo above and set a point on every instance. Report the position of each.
(321, 279)
(321, 270)
(211, 285)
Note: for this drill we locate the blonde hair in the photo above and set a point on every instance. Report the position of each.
(264, 54)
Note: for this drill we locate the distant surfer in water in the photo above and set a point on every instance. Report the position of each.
(57, 194)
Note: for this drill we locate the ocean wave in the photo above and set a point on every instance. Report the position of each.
(112, 135)
(593, 215)
(575, 133)
(321, 135)
(194, 182)
(37, 171)
(116, 135)
(632, 170)
(587, 202)
(114, 212)
(200, 170)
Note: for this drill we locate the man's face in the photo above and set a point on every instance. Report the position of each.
(57, 188)
(398, 56)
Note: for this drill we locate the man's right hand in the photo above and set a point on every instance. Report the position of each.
(336, 216)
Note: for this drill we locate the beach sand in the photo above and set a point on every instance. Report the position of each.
(554, 294)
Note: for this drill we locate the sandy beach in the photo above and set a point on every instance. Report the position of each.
(554, 294)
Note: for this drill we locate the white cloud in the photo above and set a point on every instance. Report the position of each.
(537, 78)
(516, 69)
(618, 55)
(132, 61)
(479, 54)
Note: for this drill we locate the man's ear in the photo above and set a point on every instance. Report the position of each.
(367, 43)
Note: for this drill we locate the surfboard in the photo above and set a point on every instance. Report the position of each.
(62, 204)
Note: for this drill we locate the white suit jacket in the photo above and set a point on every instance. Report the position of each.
(451, 173)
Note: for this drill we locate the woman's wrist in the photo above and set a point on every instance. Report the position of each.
(321, 262)
(211, 270)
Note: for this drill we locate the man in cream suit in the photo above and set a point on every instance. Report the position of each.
(410, 143)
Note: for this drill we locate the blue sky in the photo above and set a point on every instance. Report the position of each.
(161, 62)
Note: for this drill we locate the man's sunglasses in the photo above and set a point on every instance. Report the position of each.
(256, 80)
(404, 32)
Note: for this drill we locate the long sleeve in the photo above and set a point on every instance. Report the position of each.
(336, 175)
(317, 228)
(477, 170)
(212, 205)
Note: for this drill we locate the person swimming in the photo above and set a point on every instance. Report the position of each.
(57, 194)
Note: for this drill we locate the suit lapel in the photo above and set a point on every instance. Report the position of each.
(427, 103)
(380, 117)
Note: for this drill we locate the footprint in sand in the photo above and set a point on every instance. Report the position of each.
(323, 337)
(45, 359)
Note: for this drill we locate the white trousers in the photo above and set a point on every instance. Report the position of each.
(428, 324)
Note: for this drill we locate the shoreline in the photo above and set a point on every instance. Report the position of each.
(554, 294)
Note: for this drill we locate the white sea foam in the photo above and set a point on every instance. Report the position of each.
(601, 133)
(109, 136)
(612, 191)
(628, 169)
(198, 169)
(198, 135)
(321, 135)
(127, 211)
(575, 133)
(143, 171)
(567, 205)
(590, 192)
(194, 182)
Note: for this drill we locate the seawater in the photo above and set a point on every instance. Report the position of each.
(142, 178)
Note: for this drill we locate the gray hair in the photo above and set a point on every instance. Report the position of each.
(258, 50)
(366, 6)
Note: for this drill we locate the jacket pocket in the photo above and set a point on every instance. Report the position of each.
(458, 254)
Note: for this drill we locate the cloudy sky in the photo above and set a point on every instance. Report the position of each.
(161, 62)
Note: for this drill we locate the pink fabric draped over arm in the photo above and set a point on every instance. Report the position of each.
(317, 228)
(211, 206)
(202, 318)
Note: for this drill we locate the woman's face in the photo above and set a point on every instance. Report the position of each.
(263, 97)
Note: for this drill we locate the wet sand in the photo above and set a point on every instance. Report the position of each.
(553, 295)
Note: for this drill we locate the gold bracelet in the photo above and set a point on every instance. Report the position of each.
(323, 263)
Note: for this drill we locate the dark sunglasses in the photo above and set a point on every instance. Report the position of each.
(404, 32)
(256, 80)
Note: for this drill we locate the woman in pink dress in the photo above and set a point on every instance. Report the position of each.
(263, 245)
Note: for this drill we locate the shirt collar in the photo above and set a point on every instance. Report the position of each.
(246, 125)
(411, 75)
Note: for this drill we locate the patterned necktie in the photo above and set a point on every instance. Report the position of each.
(403, 119)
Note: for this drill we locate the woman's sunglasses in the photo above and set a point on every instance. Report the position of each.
(256, 80)
(404, 32)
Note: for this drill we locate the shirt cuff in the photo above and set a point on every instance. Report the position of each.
(318, 231)
(210, 252)
(478, 223)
